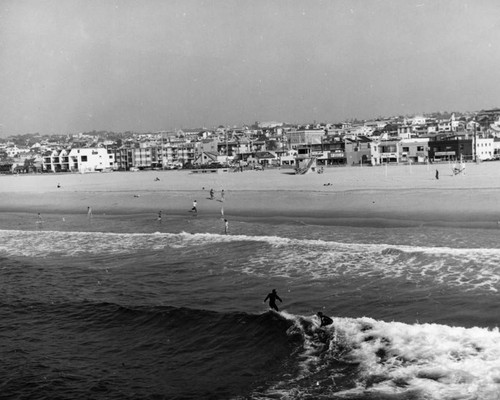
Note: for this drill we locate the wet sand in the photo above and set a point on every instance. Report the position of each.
(394, 195)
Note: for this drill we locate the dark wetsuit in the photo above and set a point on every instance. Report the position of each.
(273, 296)
(325, 321)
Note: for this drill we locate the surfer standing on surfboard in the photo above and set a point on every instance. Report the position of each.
(273, 296)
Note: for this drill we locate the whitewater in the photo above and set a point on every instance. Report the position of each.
(123, 307)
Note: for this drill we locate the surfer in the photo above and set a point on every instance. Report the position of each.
(325, 321)
(273, 296)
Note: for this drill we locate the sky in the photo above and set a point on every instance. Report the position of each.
(70, 66)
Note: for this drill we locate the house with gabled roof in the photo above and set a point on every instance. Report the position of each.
(207, 157)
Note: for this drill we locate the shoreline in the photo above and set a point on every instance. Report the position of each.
(355, 196)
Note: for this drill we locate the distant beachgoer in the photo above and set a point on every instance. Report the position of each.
(159, 216)
(195, 207)
(437, 174)
(222, 194)
(89, 212)
(325, 321)
(211, 194)
(273, 296)
(226, 226)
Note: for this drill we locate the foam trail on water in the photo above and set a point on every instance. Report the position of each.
(393, 360)
(471, 269)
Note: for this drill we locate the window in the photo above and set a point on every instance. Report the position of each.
(84, 158)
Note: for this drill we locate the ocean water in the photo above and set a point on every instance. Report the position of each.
(123, 307)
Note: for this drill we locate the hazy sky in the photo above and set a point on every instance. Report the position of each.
(69, 66)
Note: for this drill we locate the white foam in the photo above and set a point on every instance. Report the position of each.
(436, 361)
(469, 268)
(442, 361)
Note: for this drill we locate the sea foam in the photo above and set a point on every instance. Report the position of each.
(393, 359)
(273, 256)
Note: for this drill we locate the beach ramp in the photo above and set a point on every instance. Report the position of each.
(305, 166)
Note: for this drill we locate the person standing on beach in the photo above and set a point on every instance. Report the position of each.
(437, 174)
(195, 207)
(211, 194)
(159, 216)
(273, 296)
(89, 212)
(222, 194)
(226, 226)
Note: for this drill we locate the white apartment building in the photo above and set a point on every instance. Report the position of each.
(485, 149)
(90, 160)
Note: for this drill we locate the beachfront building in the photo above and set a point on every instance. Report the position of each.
(496, 148)
(209, 157)
(123, 158)
(335, 146)
(305, 137)
(358, 151)
(385, 151)
(152, 155)
(310, 151)
(85, 160)
(484, 149)
(264, 158)
(452, 148)
(184, 153)
(415, 150)
(56, 161)
(374, 153)
(287, 157)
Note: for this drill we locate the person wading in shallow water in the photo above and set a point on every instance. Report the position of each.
(273, 296)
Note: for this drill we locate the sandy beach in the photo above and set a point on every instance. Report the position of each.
(341, 195)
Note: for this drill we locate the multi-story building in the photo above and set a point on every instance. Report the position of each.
(386, 151)
(358, 151)
(305, 137)
(453, 148)
(415, 150)
(90, 160)
(484, 149)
